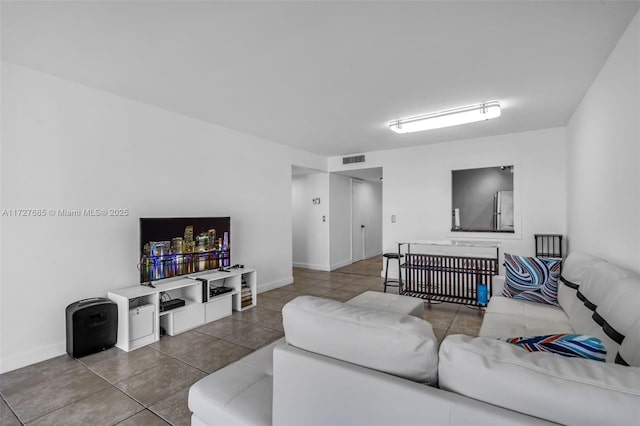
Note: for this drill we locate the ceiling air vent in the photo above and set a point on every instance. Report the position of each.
(353, 159)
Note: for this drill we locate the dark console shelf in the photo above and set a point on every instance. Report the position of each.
(171, 304)
(219, 291)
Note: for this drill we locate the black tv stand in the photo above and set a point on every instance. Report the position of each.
(149, 284)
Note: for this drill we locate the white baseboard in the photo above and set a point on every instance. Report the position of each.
(329, 268)
(311, 266)
(13, 362)
(341, 264)
(273, 285)
(370, 255)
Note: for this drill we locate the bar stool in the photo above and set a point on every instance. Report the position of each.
(386, 272)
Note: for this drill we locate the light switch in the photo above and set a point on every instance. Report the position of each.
(393, 218)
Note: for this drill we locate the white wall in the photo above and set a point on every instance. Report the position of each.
(340, 218)
(417, 186)
(603, 159)
(68, 146)
(310, 233)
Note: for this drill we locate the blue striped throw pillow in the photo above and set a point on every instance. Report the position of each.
(531, 278)
(572, 345)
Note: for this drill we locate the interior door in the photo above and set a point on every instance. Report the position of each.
(358, 225)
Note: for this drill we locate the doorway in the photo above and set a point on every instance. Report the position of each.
(366, 212)
(358, 221)
(336, 217)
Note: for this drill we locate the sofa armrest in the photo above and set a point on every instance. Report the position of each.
(311, 389)
(237, 394)
(560, 389)
(497, 285)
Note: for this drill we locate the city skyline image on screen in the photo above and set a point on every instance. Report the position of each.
(171, 247)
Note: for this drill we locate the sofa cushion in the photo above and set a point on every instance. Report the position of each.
(524, 308)
(390, 342)
(531, 278)
(506, 317)
(598, 282)
(576, 265)
(570, 345)
(574, 268)
(560, 389)
(389, 302)
(500, 325)
(618, 311)
(629, 353)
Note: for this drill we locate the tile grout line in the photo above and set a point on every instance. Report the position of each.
(135, 414)
(174, 357)
(81, 364)
(72, 402)
(11, 409)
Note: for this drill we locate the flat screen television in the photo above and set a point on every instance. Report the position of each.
(171, 247)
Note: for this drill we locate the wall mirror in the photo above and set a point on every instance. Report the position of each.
(482, 199)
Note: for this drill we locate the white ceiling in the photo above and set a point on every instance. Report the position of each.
(327, 76)
(373, 174)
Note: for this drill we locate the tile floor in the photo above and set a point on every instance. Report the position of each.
(149, 386)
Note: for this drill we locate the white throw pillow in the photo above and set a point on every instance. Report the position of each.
(394, 343)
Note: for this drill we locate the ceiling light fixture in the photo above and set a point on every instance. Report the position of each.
(451, 117)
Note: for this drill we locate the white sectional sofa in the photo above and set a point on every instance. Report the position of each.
(596, 298)
(346, 364)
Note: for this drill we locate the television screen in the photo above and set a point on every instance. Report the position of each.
(170, 247)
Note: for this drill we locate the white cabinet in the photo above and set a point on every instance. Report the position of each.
(218, 307)
(142, 322)
(137, 317)
(182, 319)
(140, 317)
(186, 317)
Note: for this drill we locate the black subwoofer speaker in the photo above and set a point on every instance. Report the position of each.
(92, 326)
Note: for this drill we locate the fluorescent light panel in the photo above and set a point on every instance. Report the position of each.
(451, 117)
